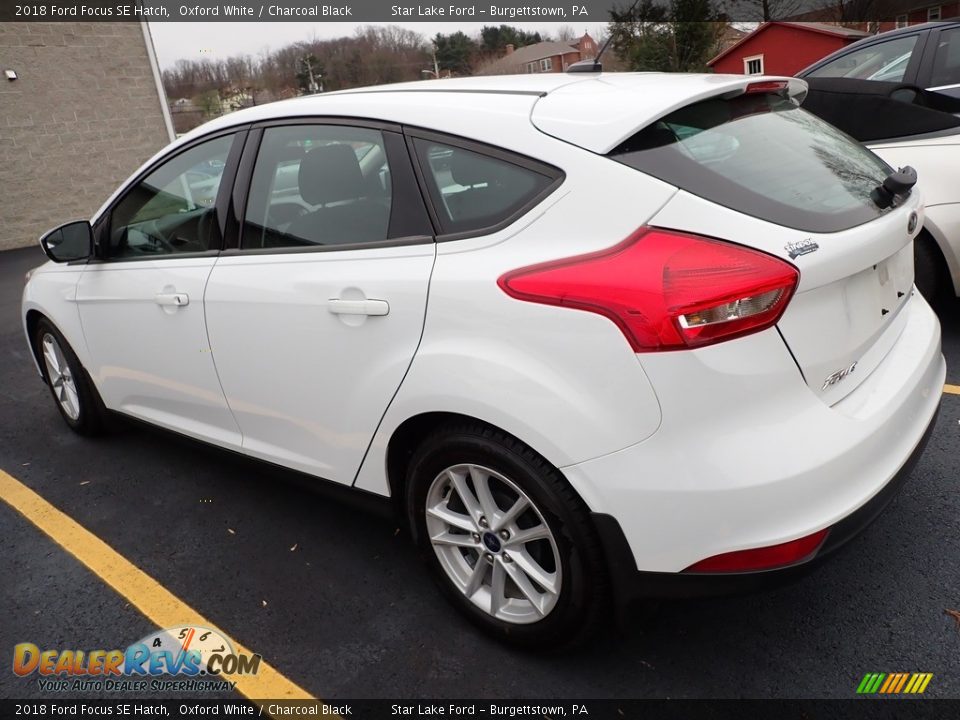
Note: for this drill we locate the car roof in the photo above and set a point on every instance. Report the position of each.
(593, 110)
(907, 30)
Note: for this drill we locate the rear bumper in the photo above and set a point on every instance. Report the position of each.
(630, 583)
(748, 457)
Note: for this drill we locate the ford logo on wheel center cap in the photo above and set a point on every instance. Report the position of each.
(492, 542)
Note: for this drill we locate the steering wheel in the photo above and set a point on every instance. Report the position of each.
(160, 241)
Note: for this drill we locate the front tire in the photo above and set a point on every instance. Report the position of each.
(74, 394)
(507, 539)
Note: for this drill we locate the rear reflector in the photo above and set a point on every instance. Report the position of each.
(666, 290)
(765, 558)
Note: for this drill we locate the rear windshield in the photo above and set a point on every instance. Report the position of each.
(763, 156)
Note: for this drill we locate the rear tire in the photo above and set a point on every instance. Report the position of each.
(73, 393)
(930, 269)
(506, 538)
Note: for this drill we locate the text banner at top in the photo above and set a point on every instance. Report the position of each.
(305, 10)
(485, 11)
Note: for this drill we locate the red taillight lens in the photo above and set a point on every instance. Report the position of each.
(666, 290)
(765, 558)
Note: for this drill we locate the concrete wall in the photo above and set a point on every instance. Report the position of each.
(83, 114)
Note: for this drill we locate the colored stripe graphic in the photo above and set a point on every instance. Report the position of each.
(891, 680)
(902, 682)
(894, 683)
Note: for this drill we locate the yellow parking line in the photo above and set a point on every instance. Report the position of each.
(157, 603)
(952, 389)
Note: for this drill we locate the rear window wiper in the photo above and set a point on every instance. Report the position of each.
(895, 184)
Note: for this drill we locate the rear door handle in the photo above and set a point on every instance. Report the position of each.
(172, 299)
(358, 307)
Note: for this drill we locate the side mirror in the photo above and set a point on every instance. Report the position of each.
(73, 241)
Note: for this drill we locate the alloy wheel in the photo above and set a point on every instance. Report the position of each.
(493, 543)
(60, 377)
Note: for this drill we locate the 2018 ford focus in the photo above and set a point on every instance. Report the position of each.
(598, 335)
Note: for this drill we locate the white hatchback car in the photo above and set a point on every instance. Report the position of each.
(598, 335)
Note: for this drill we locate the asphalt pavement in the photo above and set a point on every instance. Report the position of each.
(334, 598)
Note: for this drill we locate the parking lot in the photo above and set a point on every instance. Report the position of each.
(336, 600)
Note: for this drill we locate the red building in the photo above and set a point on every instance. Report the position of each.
(783, 48)
(921, 14)
(896, 14)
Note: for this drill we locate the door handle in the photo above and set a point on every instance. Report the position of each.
(172, 299)
(358, 307)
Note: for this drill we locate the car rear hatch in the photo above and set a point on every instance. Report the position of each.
(755, 169)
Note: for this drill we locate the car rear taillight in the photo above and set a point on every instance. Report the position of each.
(764, 558)
(666, 290)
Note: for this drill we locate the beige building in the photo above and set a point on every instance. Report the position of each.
(81, 107)
(552, 57)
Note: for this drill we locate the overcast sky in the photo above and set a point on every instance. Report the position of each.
(176, 40)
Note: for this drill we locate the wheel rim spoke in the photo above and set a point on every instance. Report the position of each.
(531, 568)
(444, 513)
(525, 586)
(468, 499)
(521, 537)
(497, 587)
(447, 538)
(476, 577)
(53, 365)
(515, 511)
(481, 483)
(61, 360)
(71, 401)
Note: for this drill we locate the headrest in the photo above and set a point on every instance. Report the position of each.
(470, 169)
(330, 173)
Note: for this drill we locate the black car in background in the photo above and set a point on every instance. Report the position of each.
(926, 56)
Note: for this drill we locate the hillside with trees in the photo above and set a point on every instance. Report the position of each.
(679, 36)
(373, 55)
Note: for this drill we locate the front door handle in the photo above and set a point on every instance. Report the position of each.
(358, 307)
(172, 299)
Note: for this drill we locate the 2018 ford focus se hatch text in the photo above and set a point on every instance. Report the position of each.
(598, 335)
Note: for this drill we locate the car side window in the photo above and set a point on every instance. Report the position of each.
(884, 61)
(471, 191)
(946, 61)
(172, 210)
(318, 185)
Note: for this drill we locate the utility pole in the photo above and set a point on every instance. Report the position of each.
(313, 86)
(436, 67)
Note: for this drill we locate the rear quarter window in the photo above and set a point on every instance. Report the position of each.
(474, 191)
(764, 156)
